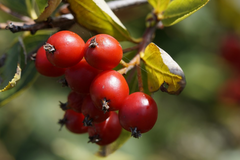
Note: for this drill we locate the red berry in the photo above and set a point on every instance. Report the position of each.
(74, 102)
(106, 132)
(73, 121)
(103, 52)
(230, 50)
(80, 76)
(108, 90)
(64, 49)
(230, 91)
(44, 67)
(92, 114)
(138, 113)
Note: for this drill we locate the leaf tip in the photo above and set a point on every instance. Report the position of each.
(13, 82)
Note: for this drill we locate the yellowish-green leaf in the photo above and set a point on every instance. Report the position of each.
(109, 149)
(95, 15)
(14, 81)
(52, 5)
(178, 10)
(163, 72)
(159, 5)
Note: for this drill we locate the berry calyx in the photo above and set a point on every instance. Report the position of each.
(93, 43)
(49, 48)
(87, 121)
(94, 139)
(64, 106)
(105, 105)
(135, 132)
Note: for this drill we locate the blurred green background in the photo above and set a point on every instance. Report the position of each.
(199, 124)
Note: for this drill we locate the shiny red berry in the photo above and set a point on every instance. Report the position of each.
(138, 113)
(103, 52)
(64, 49)
(108, 90)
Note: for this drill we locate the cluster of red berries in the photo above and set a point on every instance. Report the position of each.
(99, 102)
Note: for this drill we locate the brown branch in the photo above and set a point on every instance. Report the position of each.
(3, 25)
(57, 22)
(130, 65)
(9, 23)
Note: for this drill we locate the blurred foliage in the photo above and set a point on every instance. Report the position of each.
(195, 125)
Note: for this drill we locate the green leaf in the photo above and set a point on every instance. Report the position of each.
(108, 149)
(163, 72)
(178, 10)
(8, 68)
(52, 5)
(95, 15)
(39, 5)
(159, 5)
